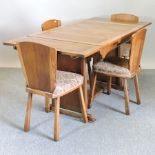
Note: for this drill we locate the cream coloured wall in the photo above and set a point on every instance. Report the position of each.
(19, 18)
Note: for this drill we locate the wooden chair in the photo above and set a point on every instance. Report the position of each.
(47, 25)
(39, 63)
(126, 18)
(124, 49)
(50, 24)
(122, 68)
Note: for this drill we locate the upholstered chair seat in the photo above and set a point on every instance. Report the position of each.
(112, 69)
(125, 49)
(66, 81)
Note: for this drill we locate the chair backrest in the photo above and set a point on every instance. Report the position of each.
(50, 24)
(137, 43)
(124, 18)
(39, 63)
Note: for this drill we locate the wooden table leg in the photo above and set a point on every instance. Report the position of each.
(85, 85)
(85, 88)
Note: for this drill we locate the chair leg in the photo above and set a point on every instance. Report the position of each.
(94, 77)
(47, 104)
(83, 105)
(56, 118)
(137, 89)
(109, 85)
(126, 97)
(28, 113)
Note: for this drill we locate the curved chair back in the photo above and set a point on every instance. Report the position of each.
(137, 44)
(50, 24)
(39, 63)
(126, 18)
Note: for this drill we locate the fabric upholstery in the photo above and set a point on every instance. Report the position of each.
(125, 49)
(66, 81)
(115, 67)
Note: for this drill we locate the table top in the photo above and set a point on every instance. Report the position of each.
(66, 47)
(83, 38)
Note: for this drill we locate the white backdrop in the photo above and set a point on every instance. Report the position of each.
(21, 17)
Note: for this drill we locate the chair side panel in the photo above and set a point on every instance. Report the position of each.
(39, 64)
(137, 44)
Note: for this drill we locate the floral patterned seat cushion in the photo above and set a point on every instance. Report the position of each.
(66, 82)
(125, 49)
(112, 69)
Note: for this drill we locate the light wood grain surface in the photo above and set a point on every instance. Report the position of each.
(92, 31)
(85, 37)
(66, 47)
